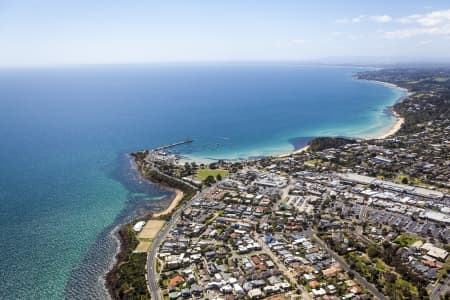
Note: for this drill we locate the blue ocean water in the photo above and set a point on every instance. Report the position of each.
(65, 179)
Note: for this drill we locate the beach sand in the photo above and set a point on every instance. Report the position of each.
(178, 196)
(295, 152)
(390, 131)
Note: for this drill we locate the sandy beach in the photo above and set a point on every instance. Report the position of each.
(399, 120)
(295, 151)
(390, 131)
(178, 196)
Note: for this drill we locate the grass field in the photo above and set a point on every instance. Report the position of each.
(147, 234)
(150, 230)
(142, 247)
(405, 240)
(203, 173)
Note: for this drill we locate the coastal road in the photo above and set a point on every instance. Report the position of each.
(361, 280)
(152, 275)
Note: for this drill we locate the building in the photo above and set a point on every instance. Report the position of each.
(435, 252)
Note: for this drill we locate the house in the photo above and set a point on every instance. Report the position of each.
(238, 289)
(381, 159)
(185, 293)
(255, 293)
(174, 295)
(435, 252)
(314, 284)
(331, 271)
(176, 280)
(355, 289)
(318, 292)
(227, 289)
(196, 290)
(331, 288)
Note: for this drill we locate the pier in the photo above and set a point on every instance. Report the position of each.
(186, 141)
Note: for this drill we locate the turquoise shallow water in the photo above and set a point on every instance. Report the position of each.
(66, 183)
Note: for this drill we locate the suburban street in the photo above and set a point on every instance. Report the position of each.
(440, 289)
(281, 266)
(152, 275)
(347, 268)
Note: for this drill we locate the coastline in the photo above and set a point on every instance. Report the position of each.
(399, 119)
(390, 131)
(303, 149)
(179, 194)
(126, 237)
(385, 133)
(123, 242)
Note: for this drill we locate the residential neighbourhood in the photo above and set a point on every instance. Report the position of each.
(345, 219)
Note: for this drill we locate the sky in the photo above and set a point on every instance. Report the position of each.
(53, 32)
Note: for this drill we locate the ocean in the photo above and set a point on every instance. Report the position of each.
(66, 182)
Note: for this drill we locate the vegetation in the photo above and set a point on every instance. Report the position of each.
(202, 174)
(127, 279)
(165, 180)
(322, 143)
(420, 82)
(383, 267)
(405, 240)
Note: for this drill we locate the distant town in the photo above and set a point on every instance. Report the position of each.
(343, 219)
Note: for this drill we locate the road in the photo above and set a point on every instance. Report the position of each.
(281, 266)
(361, 280)
(152, 275)
(440, 289)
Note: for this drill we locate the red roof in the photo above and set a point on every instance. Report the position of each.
(176, 280)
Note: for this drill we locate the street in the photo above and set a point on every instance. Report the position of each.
(361, 280)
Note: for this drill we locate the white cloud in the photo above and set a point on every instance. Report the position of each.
(434, 23)
(351, 20)
(361, 18)
(417, 31)
(427, 42)
(408, 20)
(431, 19)
(381, 19)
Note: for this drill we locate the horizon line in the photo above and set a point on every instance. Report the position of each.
(357, 62)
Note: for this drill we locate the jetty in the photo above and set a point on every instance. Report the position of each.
(186, 141)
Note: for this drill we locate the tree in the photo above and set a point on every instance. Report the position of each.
(372, 251)
(219, 177)
(209, 180)
(390, 277)
(405, 180)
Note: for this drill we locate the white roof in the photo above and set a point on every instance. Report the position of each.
(428, 193)
(138, 226)
(435, 251)
(437, 216)
(357, 178)
(319, 292)
(255, 293)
